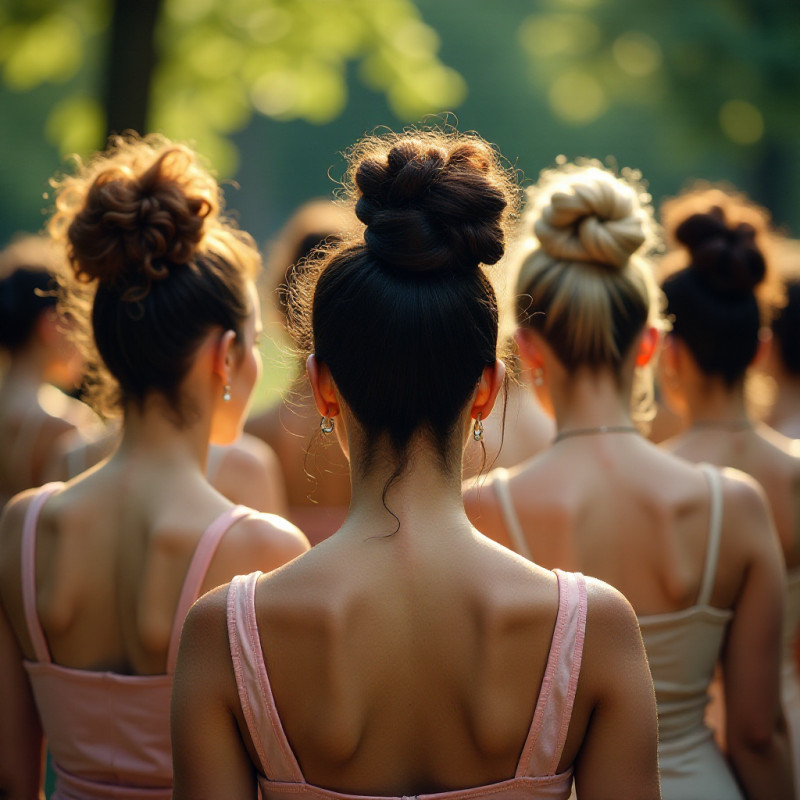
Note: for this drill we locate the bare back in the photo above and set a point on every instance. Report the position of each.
(400, 666)
(111, 555)
(765, 455)
(617, 508)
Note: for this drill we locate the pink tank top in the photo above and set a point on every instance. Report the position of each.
(108, 734)
(280, 775)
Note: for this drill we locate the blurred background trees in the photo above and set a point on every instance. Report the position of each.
(272, 91)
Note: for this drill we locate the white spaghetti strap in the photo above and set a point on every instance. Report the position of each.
(501, 492)
(714, 534)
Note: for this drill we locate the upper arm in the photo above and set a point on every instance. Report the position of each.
(619, 753)
(21, 742)
(209, 757)
(752, 650)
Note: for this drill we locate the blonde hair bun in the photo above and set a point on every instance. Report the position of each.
(587, 214)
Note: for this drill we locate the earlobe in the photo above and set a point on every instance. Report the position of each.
(647, 346)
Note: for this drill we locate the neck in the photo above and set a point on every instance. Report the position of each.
(424, 498)
(712, 401)
(153, 434)
(589, 400)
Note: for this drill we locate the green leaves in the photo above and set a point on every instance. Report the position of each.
(221, 60)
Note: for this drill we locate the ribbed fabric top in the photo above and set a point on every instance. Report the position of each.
(535, 776)
(108, 734)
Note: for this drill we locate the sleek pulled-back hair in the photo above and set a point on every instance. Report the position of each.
(405, 316)
(717, 299)
(584, 283)
(29, 268)
(155, 266)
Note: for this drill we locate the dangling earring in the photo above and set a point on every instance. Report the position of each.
(538, 377)
(326, 427)
(226, 393)
(477, 429)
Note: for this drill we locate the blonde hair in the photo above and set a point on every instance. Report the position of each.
(584, 281)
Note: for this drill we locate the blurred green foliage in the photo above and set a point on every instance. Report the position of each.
(220, 60)
(726, 71)
(690, 59)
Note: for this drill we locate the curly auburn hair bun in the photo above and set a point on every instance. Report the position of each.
(431, 208)
(724, 257)
(134, 221)
(587, 214)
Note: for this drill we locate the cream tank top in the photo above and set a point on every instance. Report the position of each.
(682, 649)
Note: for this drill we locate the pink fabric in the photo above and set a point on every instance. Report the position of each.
(108, 733)
(535, 777)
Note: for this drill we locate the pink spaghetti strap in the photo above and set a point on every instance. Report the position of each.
(40, 648)
(278, 762)
(548, 733)
(196, 573)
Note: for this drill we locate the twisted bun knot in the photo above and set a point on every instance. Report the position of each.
(137, 222)
(591, 216)
(428, 208)
(726, 258)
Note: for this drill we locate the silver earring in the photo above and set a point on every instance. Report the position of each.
(538, 377)
(326, 425)
(477, 429)
(226, 393)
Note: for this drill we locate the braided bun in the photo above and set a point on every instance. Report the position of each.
(429, 207)
(139, 212)
(584, 282)
(586, 214)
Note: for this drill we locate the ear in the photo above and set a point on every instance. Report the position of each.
(488, 388)
(529, 351)
(323, 387)
(648, 344)
(224, 356)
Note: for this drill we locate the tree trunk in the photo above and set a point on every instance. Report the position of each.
(131, 60)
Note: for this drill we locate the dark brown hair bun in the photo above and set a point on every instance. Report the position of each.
(428, 208)
(725, 257)
(155, 268)
(134, 220)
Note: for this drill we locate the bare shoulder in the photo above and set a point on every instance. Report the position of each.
(204, 647)
(250, 453)
(208, 614)
(745, 504)
(613, 642)
(608, 610)
(277, 539)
